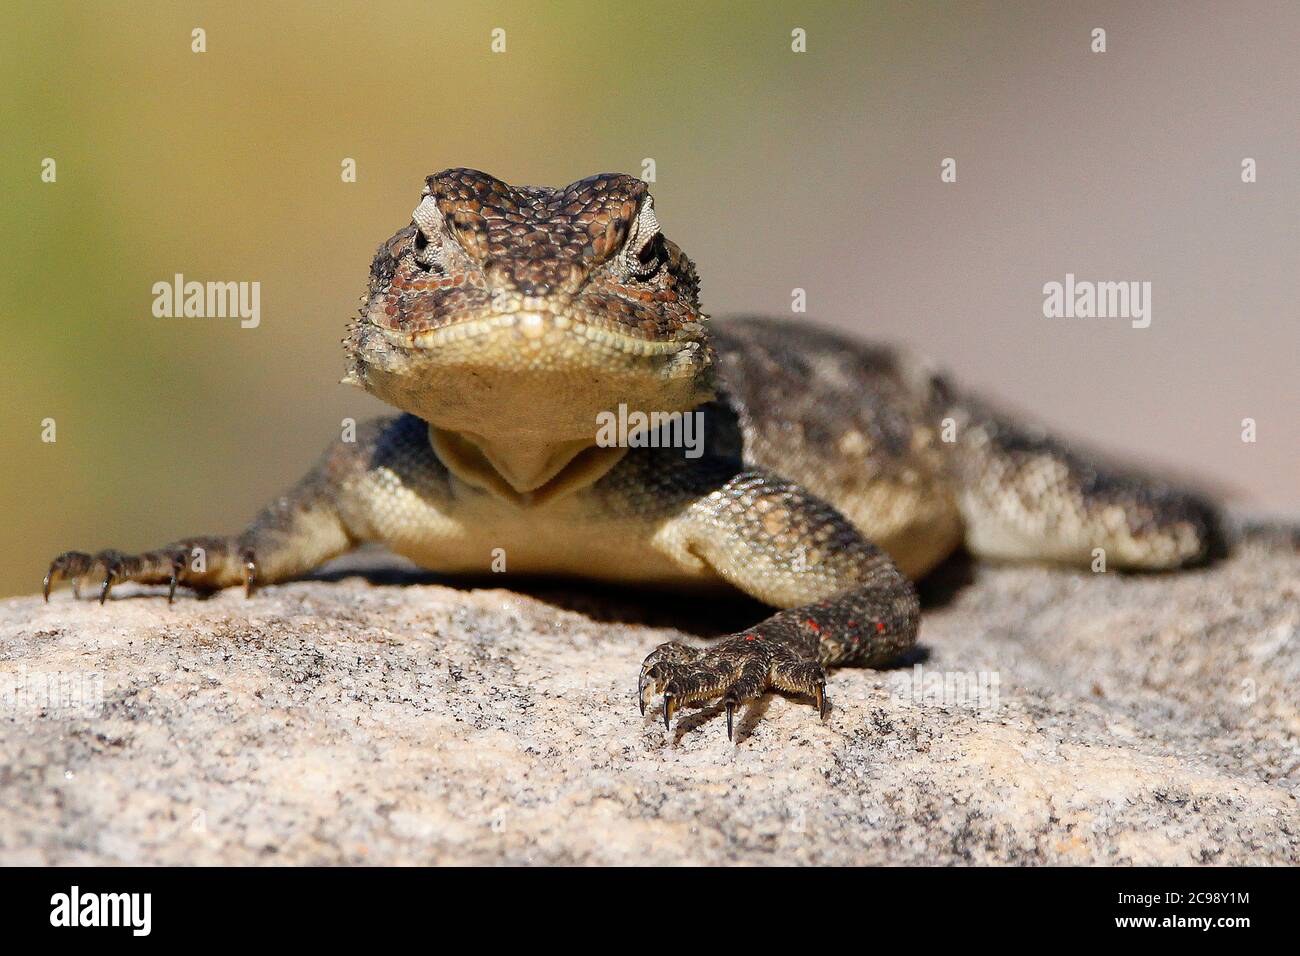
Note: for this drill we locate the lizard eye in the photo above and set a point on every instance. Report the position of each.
(428, 234)
(641, 253)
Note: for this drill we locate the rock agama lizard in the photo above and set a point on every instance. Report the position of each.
(503, 320)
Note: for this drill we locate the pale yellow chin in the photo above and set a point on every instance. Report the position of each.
(514, 402)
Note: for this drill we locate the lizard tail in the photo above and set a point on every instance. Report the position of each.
(1024, 495)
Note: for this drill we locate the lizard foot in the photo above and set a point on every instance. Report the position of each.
(199, 563)
(739, 669)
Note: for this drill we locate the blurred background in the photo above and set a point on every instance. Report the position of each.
(774, 170)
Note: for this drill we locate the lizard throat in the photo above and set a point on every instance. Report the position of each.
(520, 472)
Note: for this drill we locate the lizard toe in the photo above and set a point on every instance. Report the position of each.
(70, 565)
(170, 566)
(739, 669)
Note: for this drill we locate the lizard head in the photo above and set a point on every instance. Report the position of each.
(518, 311)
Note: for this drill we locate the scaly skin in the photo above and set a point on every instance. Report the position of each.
(503, 320)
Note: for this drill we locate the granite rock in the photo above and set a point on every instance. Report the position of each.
(378, 716)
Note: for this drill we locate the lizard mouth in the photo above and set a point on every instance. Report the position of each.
(541, 346)
(526, 331)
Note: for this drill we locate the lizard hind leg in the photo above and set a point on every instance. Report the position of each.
(1026, 496)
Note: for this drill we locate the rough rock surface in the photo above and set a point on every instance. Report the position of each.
(381, 718)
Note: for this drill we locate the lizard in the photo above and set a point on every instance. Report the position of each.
(503, 320)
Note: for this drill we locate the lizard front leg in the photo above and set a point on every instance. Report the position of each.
(296, 533)
(844, 600)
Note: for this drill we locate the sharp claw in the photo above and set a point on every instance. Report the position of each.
(731, 710)
(250, 573)
(176, 572)
(670, 705)
(640, 690)
(819, 693)
(45, 588)
(105, 587)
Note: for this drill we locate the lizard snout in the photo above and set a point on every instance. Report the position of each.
(534, 277)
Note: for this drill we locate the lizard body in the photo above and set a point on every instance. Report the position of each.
(503, 321)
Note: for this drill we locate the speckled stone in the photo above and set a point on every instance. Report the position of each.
(387, 719)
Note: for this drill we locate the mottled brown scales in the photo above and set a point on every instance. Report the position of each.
(504, 320)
